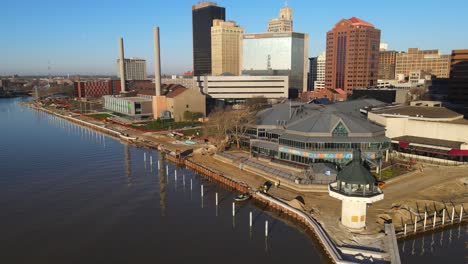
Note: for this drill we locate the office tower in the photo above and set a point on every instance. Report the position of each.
(387, 60)
(283, 23)
(430, 61)
(203, 15)
(277, 54)
(317, 72)
(352, 55)
(135, 69)
(458, 82)
(226, 47)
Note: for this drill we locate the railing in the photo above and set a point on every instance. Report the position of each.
(356, 193)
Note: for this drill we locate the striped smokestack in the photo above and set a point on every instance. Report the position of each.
(122, 65)
(157, 62)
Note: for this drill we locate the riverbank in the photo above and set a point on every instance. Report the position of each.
(322, 208)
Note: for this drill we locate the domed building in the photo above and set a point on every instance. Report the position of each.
(355, 187)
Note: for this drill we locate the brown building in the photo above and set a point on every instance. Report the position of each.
(96, 88)
(283, 23)
(458, 82)
(430, 61)
(352, 55)
(387, 60)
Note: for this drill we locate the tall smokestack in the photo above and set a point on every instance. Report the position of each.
(122, 65)
(157, 62)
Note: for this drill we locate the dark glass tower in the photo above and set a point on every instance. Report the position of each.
(202, 21)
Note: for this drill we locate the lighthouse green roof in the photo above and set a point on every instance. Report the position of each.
(355, 172)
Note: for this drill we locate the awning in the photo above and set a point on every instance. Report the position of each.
(458, 152)
(403, 144)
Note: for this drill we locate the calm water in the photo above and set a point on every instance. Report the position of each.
(447, 246)
(70, 195)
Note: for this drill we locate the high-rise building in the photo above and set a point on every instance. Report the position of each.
(277, 54)
(458, 82)
(203, 15)
(226, 47)
(283, 23)
(352, 55)
(387, 61)
(317, 72)
(430, 61)
(135, 69)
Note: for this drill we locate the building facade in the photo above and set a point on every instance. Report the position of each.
(283, 23)
(226, 47)
(178, 100)
(135, 69)
(303, 134)
(203, 15)
(317, 72)
(89, 89)
(425, 130)
(277, 54)
(387, 60)
(430, 61)
(133, 107)
(458, 82)
(244, 87)
(352, 55)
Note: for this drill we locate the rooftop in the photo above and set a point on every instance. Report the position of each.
(313, 118)
(359, 22)
(419, 111)
(429, 141)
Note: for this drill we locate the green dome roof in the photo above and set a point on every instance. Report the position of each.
(355, 172)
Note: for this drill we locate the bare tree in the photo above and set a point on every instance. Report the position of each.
(241, 120)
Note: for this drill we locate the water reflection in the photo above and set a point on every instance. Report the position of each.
(440, 250)
(162, 185)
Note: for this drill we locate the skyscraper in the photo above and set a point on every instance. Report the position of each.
(226, 47)
(317, 72)
(352, 55)
(283, 23)
(135, 69)
(458, 83)
(203, 15)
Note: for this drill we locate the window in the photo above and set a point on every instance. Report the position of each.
(340, 131)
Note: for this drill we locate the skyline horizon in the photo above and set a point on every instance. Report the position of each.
(92, 53)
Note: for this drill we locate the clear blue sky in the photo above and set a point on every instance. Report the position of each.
(81, 36)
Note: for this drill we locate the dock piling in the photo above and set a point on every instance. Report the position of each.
(453, 214)
(175, 175)
(435, 220)
(405, 230)
(461, 213)
(216, 199)
(250, 220)
(266, 228)
(415, 223)
(151, 160)
(443, 216)
(191, 184)
(425, 219)
(233, 209)
(201, 190)
(144, 156)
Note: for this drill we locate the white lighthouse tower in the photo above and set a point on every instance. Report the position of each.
(355, 187)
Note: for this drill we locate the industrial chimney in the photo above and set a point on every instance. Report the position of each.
(157, 62)
(122, 65)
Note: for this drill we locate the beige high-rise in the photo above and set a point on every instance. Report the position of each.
(283, 23)
(430, 61)
(226, 47)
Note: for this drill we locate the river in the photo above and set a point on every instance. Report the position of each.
(71, 195)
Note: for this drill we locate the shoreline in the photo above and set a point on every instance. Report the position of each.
(336, 251)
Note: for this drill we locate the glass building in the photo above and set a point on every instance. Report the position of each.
(277, 54)
(302, 134)
(202, 21)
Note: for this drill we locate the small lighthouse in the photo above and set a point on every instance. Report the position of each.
(355, 187)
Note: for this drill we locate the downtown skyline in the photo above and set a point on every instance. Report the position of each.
(82, 38)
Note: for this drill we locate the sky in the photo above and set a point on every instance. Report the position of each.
(81, 37)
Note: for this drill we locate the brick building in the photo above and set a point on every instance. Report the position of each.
(352, 55)
(97, 88)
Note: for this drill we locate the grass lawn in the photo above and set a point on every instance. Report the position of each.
(101, 116)
(392, 172)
